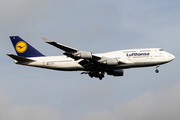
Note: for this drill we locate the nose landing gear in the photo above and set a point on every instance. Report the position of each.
(157, 71)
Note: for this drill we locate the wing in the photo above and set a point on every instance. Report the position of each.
(94, 64)
(72, 52)
(61, 46)
(89, 60)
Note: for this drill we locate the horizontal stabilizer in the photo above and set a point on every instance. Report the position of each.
(20, 59)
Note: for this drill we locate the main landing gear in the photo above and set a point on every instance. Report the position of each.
(97, 74)
(157, 69)
(101, 75)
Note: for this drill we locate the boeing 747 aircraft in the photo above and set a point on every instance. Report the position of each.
(95, 65)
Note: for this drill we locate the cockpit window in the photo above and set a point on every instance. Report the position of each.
(160, 49)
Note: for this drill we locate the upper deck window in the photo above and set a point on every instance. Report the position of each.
(145, 50)
(128, 51)
(160, 49)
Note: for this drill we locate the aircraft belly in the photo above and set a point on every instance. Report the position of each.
(66, 66)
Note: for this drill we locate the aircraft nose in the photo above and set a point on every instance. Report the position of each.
(173, 57)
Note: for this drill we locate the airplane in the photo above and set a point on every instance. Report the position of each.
(95, 65)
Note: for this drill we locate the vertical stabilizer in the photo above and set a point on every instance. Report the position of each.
(24, 49)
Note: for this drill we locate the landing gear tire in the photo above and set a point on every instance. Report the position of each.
(101, 75)
(157, 71)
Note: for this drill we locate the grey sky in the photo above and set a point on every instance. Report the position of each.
(96, 26)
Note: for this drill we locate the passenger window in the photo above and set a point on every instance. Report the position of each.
(160, 49)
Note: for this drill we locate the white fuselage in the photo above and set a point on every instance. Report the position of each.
(130, 58)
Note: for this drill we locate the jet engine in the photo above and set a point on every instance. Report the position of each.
(118, 72)
(111, 62)
(83, 55)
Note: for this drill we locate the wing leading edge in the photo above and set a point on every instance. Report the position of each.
(61, 46)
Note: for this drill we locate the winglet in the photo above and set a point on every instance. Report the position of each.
(46, 40)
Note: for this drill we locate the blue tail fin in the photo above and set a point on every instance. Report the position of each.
(23, 49)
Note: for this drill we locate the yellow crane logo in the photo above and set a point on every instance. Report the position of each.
(21, 47)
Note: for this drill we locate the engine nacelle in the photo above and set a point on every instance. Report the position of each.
(83, 55)
(111, 62)
(118, 72)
